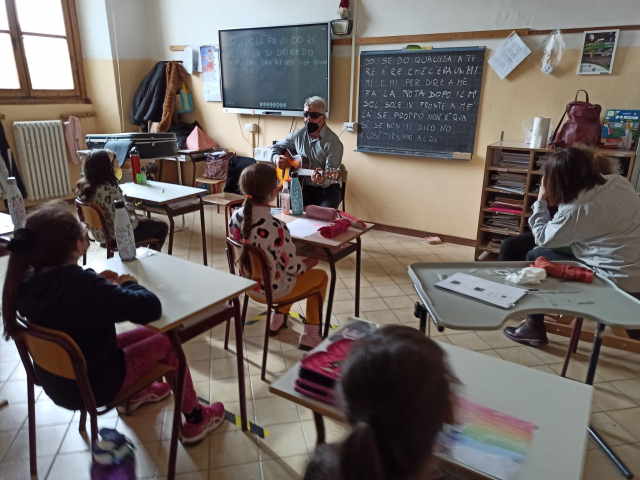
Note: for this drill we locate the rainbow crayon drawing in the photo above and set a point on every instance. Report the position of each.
(486, 440)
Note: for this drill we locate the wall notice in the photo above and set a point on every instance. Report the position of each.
(210, 73)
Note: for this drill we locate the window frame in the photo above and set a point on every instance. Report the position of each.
(26, 95)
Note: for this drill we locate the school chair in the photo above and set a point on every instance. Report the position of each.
(215, 184)
(260, 271)
(344, 174)
(92, 216)
(228, 211)
(58, 354)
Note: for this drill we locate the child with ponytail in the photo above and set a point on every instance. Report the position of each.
(397, 394)
(45, 285)
(291, 275)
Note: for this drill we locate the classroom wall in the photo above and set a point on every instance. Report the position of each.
(431, 195)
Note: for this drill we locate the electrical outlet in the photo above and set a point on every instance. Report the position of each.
(350, 127)
(251, 127)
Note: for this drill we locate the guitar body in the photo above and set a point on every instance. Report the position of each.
(300, 164)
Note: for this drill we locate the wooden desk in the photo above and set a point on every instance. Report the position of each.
(194, 299)
(600, 301)
(334, 249)
(560, 409)
(170, 200)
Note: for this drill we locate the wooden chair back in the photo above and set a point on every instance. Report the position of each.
(228, 211)
(93, 216)
(259, 265)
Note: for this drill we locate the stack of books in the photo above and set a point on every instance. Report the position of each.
(505, 223)
(509, 182)
(518, 161)
(541, 160)
(495, 243)
(504, 204)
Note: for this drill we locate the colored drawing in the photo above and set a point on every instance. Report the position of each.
(486, 440)
(598, 52)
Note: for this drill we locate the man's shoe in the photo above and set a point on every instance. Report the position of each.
(527, 334)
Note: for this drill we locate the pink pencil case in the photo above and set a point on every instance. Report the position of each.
(322, 213)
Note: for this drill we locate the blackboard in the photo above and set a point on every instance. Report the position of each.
(420, 103)
(273, 70)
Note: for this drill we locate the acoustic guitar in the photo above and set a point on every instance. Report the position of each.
(300, 165)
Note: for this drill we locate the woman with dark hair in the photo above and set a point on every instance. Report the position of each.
(598, 216)
(395, 372)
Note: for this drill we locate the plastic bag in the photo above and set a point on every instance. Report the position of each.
(552, 51)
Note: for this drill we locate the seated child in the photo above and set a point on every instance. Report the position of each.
(292, 275)
(396, 387)
(100, 186)
(47, 287)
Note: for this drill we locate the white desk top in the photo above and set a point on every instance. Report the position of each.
(159, 192)
(560, 408)
(600, 301)
(318, 240)
(186, 290)
(6, 225)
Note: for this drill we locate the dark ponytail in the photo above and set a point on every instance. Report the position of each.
(98, 170)
(257, 182)
(396, 386)
(360, 455)
(48, 239)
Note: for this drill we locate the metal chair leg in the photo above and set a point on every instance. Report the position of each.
(245, 306)
(266, 345)
(226, 335)
(83, 421)
(573, 345)
(33, 453)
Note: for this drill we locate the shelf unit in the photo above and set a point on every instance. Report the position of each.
(533, 177)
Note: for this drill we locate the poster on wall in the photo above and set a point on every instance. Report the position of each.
(598, 52)
(210, 72)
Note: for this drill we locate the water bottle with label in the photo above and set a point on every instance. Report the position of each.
(16, 204)
(296, 195)
(124, 233)
(284, 199)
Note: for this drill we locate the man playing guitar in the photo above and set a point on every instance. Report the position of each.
(323, 149)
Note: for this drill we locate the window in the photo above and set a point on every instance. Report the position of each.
(40, 53)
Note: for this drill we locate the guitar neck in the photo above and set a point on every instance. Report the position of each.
(304, 172)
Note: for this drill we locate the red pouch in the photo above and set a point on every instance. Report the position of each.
(335, 228)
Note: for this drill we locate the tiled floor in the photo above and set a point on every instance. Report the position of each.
(387, 297)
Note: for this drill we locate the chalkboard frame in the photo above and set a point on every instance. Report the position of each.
(464, 156)
(275, 112)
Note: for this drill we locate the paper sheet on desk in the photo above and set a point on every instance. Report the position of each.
(305, 227)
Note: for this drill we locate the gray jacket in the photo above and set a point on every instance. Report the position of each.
(602, 226)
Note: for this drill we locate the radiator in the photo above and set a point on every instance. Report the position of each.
(42, 159)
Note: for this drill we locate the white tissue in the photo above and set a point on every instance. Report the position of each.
(528, 275)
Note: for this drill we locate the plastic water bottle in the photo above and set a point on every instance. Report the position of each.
(296, 195)
(285, 200)
(16, 204)
(113, 457)
(124, 233)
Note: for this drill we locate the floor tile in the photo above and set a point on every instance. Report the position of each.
(390, 291)
(519, 355)
(6, 369)
(381, 281)
(78, 463)
(192, 458)
(13, 416)
(608, 398)
(248, 471)
(232, 448)
(470, 341)
(48, 440)
(365, 292)
(5, 441)
(491, 353)
(399, 302)
(576, 371)
(142, 428)
(226, 389)
(495, 339)
(226, 368)
(383, 317)
(21, 470)
(372, 304)
(275, 410)
(335, 432)
(290, 468)
(613, 429)
(629, 419)
(283, 441)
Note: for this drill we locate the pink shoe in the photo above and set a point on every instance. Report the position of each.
(278, 321)
(212, 418)
(152, 394)
(310, 337)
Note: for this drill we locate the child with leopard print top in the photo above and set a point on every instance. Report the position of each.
(291, 275)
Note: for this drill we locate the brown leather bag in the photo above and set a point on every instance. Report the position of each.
(582, 126)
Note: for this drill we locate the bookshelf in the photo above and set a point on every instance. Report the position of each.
(530, 178)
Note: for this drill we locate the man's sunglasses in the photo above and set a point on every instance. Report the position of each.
(314, 115)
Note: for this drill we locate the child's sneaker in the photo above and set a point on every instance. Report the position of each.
(310, 337)
(212, 418)
(152, 394)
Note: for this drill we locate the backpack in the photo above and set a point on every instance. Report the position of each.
(582, 126)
